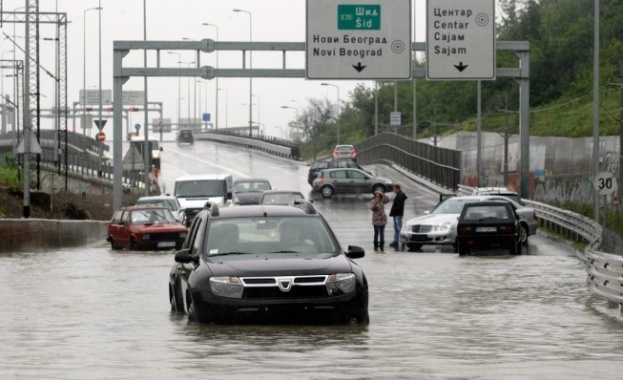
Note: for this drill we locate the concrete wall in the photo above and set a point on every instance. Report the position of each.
(18, 235)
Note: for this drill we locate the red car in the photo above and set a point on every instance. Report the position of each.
(145, 227)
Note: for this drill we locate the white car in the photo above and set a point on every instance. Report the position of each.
(438, 227)
(168, 201)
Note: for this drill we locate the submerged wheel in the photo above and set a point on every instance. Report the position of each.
(174, 300)
(523, 234)
(462, 249)
(326, 191)
(114, 246)
(133, 245)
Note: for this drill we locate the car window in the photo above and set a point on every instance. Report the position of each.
(152, 216)
(450, 206)
(116, 219)
(486, 213)
(339, 174)
(124, 217)
(354, 174)
(278, 235)
(320, 165)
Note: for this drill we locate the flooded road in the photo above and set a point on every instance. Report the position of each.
(93, 313)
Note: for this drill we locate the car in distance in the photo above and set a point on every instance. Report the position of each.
(168, 201)
(314, 168)
(248, 191)
(145, 228)
(280, 197)
(185, 136)
(343, 162)
(267, 264)
(488, 225)
(347, 151)
(438, 227)
(501, 191)
(348, 181)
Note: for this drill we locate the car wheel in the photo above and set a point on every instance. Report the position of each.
(326, 191)
(376, 188)
(193, 313)
(462, 249)
(176, 303)
(523, 234)
(361, 318)
(414, 247)
(114, 246)
(515, 248)
(133, 245)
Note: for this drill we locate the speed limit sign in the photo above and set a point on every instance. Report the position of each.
(605, 183)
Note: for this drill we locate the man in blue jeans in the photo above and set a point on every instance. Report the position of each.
(397, 212)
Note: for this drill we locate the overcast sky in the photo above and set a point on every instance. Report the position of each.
(272, 20)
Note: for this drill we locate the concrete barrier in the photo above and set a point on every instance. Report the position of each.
(19, 235)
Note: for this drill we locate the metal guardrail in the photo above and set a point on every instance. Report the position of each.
(604, 269)
(273, 146)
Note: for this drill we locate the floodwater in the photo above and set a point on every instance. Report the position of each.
(93, 313)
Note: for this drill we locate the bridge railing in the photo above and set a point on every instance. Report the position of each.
(602, 256)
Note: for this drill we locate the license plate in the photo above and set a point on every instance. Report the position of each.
(486, 229)
(165, 244)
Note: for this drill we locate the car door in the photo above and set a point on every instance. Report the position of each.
(359, 182)
(124, 232)
(340, 181)
(193, 243)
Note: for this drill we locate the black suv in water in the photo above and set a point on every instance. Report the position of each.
(267, 264)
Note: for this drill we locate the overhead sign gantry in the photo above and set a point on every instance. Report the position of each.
(358, 39)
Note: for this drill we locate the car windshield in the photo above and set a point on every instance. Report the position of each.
(152, 216)
(270, 235)
(486, 214)
(199, 188)
(451, 206)
(280, 198)
(245, 187)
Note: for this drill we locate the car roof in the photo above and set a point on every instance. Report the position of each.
(259, 211)
(156, 197)
(243, 180)
(277, 191)
(135, 208)
(344, 146)
(202, 177)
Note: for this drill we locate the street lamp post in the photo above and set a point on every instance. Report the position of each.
(216, 89)
(293, 108)
(250, 68)
(84, 66)
(258, 107)
(205, 89)
(188, 101)
(226, 113)
(179, 88)
(338, 108)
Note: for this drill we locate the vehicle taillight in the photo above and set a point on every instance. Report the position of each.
(353, 154)
(464, 230)
(535, 216)
(507, 229)
(336, 153)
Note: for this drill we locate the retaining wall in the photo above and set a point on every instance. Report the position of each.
(17, 235)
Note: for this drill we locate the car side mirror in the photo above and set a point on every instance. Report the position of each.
(355, 252)
(183, 256)
(161, 149)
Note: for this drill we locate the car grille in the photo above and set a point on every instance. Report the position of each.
(172, 236)
(421, 228)
(299, 287)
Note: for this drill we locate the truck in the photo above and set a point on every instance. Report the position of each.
(194, 191)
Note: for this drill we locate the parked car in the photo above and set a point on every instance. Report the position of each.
(168, 201)
(314, 168)
(332, 163)
(145, 227)
(347, 151)
(185, 136)
(503, 191)
(486, 225)
(248, 191)
(280, 197)
(438, 227)
(348, 181)
(267, 264)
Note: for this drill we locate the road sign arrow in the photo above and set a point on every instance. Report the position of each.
(461, 66)
(359, 67)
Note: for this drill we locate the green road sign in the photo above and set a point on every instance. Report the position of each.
(358, 17)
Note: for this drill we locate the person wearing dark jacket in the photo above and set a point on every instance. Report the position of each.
(397, 212)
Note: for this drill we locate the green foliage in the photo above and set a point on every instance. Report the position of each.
(9, 174)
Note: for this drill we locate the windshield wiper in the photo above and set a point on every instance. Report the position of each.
(286, 251)
(230, 253)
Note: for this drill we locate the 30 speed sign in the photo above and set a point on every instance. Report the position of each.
(605, 183)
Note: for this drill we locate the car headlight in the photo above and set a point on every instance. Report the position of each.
(229, 287)
(146, 237)
(183, 235)
(341, 283)
(444, 227)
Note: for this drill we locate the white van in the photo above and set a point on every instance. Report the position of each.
(193, 191)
